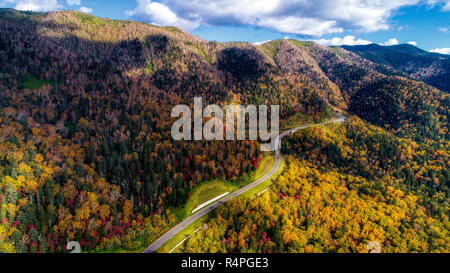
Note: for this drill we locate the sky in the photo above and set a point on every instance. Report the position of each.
(424, 23)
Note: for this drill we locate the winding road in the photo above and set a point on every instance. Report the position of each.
(191, 219)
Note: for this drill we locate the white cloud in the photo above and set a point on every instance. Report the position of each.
(347, 40)
(305, 17)
(305, 26)
(443, 29)
(412, 43)
(445, 4)
(160, 14)
(444, 50)
(446, 7)
(86, 10)
(34, 5)
(390, 42)
(73, 2)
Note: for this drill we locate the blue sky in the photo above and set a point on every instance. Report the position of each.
(425, 23)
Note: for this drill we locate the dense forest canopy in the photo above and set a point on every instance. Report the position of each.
(86, 152)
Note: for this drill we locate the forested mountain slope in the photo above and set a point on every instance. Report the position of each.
(85, 102)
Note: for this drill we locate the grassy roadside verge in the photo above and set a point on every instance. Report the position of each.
(201, 194)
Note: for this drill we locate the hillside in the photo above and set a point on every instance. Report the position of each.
(432, 68)
(85, 147)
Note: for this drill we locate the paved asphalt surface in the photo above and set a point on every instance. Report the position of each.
(178, 228)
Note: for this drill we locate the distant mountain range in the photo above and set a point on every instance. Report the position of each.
(432, 68)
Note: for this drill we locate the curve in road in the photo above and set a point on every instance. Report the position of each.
(191, 219)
